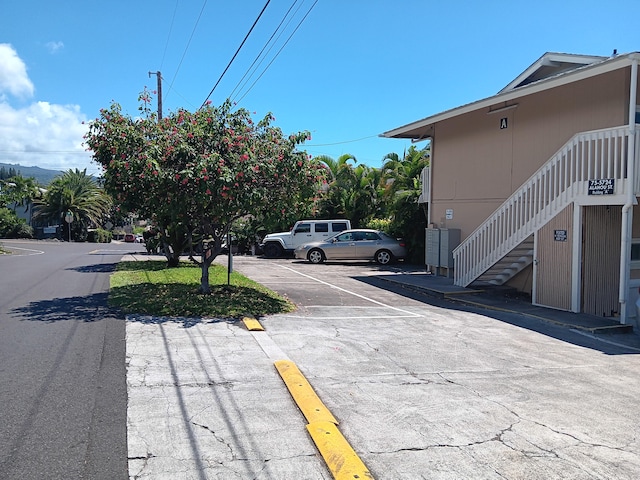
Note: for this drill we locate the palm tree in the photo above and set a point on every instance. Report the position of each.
(352, 190)
(334, 166)
(18, 191)
(402, 176)
(77, 193)
(400, 181)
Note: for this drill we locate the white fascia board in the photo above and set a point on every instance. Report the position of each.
(549, 59)
(581, 73)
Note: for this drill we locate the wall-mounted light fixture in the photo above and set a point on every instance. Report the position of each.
(501, 109)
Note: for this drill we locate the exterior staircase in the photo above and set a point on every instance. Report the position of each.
(508, 266)
(504, 244)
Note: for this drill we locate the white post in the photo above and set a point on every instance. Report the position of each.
(627, 209)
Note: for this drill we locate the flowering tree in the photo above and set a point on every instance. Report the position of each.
(195, 173)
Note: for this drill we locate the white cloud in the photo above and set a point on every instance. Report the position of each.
(54, 47)
(39, 134)
(13, 73)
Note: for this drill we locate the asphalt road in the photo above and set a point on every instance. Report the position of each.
(62, 370)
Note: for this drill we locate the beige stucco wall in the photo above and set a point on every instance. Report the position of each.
(476, 165)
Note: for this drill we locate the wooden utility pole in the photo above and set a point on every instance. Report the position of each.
(159, 76)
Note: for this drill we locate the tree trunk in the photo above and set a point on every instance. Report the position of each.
(207, 260)
(205, 288)
(173, 258)
(172, 261)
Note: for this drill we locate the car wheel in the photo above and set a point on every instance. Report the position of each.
(383, 257)
(315, 256)
(272, 250)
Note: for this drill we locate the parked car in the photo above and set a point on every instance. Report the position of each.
(129, 238)
(357, 244)
(304, 231)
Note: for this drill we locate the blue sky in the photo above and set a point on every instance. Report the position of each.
(352, 70)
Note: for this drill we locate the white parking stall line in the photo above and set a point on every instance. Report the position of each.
(368, 317)
(269, 347)
(408, 313)
(33, 252)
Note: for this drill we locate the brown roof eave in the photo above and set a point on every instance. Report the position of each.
(419, 129)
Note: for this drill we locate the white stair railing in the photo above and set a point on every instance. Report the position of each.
(599, 154)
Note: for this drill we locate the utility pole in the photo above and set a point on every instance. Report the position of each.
(159, 75)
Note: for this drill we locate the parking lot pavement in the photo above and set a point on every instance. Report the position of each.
(422, 388)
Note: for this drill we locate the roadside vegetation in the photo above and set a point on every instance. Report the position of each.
(199, 178)
(150, 288)
(78, 195)
(73, 194)
(194, 173)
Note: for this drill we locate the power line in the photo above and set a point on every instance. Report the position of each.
(237, 51)
(180, 95)
(188, 43)
(166, 45)
(278, 53)
(263, 49)
(339, 143)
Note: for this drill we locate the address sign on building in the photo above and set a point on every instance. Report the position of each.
(601, 186)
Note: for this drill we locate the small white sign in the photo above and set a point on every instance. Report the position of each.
(449, 214)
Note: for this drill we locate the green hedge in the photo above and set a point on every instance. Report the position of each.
(100, 236)
(13, 227)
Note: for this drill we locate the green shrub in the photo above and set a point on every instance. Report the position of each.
(99, 236)
(8, 222)
(13, 227)
(22, 230)
(383, 224)
(105, 236)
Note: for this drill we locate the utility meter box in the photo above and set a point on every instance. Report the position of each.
(449, 240)
(439, 245)
(432, 248)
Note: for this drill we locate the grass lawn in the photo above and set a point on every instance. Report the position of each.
(150, 288)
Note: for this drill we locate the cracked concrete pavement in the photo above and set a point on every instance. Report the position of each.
(421, 388)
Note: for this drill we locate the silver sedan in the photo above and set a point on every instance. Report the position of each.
(359, 244)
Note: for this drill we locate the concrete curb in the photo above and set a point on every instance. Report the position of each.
(341, 459)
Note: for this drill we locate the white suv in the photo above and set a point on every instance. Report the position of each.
(304, 231)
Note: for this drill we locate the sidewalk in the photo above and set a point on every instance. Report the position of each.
(502, 300)
(415, 388)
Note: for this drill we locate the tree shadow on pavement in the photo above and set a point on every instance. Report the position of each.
(624, 344)
(89, 308)
(95, 307)
(187, 322)
(97, 268)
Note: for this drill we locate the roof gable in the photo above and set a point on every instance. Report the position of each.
(550, 65)
(583, 67)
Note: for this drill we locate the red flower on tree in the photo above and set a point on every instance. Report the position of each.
(214, 145)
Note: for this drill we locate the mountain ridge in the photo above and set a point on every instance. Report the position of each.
(42, 176)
